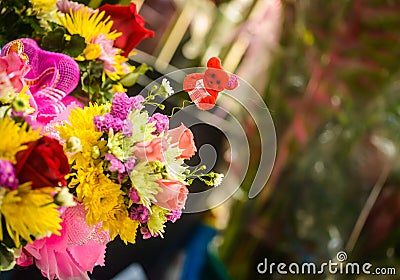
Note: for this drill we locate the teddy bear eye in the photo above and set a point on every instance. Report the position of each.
(213, 75)
(218, 82)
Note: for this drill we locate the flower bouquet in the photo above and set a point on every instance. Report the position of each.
(81, 161)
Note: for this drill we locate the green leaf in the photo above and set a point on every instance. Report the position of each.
(7, 259)
(75, 46)
(131, 78)
(54, 40)
(108, 95)
(96, 69)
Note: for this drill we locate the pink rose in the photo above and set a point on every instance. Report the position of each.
(173, 195)
(184, 137)
(150, 150)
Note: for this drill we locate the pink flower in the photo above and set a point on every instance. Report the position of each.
(8, 178)
(174, 215)
(115, 164)
(108, 52)
(151, 150)
(65, 6)
(146, 233)
(173, 195)
(141, 214)
(15, 68)
(184, 137)
(72, 254)
(134, 196)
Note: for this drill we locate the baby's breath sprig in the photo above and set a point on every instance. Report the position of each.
(211, 178)
(164, 90)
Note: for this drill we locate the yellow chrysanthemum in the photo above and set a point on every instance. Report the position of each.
(120, 224)
(81, 126)
(100, 196)
(88, 25)
(104, 202)
(97, 192)
(29, 214)
(14, 137)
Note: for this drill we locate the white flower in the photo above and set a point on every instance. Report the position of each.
(165, 83)
(141, 128)
(218, 179)
(64, 198)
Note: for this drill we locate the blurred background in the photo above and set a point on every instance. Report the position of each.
(329, 74)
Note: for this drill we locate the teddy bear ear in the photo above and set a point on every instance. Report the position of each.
(232, 83)
(214, 62)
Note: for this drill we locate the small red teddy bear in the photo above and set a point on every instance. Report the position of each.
(203, 89)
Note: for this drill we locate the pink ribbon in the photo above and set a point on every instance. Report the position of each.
(51, 78)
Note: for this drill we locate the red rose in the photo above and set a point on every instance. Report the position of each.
(129, 23)
(43, 163)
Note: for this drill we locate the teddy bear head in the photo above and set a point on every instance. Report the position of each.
(215, 78)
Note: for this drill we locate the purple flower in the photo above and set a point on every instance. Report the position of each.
(116, 164)
(161, 122)
(130, 164)
(140, 214)
(174, 215)
(121, 105)
(104, 123)
(134, 196)
(137, 101)
(8, 178)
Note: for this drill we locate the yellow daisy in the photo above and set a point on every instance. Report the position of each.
(15, 137)
(88, 25)
(21, 210)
